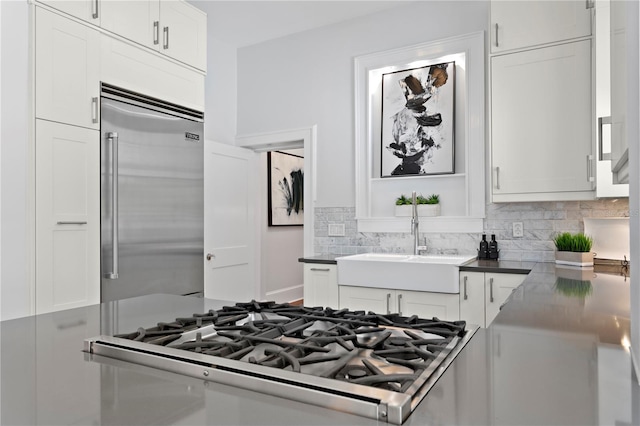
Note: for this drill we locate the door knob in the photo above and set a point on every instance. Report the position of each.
(210, 256)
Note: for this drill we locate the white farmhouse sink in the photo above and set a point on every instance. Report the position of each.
(436, 273)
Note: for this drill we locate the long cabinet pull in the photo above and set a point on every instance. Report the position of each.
(400, 304)
(497, 44)
(113, 138)
(71, 223)
(497, 177)
(156, 32)
(466, 296)
(94, 9)
(589, 168)
(602, 121)
(94, 110)
(388, 301)
(491, 290)
(320, 269)
(165, 34)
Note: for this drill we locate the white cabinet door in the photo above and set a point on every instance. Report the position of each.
(542, 123)
(624, 50)
(67, 71)
(498, 289)
(183, 32)
(519, 24)
(321, 285)
(367, 299)
(472, 298)
(87, 10)
(67, 216)
(427, 305)
(136, 20)
(139, 70)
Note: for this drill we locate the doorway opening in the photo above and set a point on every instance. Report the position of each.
(279, 247)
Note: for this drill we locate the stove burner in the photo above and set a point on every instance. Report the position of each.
(361, 359)
(386, 351)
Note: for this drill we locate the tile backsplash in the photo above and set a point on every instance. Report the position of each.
(541, 221)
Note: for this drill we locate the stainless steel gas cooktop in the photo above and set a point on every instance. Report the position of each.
(378, 366)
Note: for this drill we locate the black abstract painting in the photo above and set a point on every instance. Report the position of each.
(286, 189)
(417, 121)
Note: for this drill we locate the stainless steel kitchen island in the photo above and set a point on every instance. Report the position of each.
(554, 355)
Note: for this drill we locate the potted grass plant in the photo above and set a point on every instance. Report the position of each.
(573, 249)
(427, 206)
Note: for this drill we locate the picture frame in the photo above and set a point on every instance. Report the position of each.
(285, 189)
(417, 121)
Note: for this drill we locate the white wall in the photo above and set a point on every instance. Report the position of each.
(220, 92)
(15, 297)
(281, 247)
(307, 79)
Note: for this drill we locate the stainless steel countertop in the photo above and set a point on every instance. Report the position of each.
(548, 359)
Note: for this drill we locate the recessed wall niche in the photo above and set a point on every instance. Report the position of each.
(462, 193)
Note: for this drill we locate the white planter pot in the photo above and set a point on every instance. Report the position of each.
(423, 210)
(574, 258)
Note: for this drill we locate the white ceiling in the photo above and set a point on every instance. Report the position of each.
(243, 23)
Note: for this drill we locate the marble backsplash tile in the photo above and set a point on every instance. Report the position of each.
(541, 222)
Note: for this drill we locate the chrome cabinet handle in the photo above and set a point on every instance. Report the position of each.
(589, 171)
(94, 9)
(400, 304)
(388, 301)
(466, 296)
(94, 110)
(320, 269)
(156, 32)
(491, 290)
(165, 34)
(71, 223)
(210, 256)
(113, 138)
(601, 154)
(497, 177)
(497, 44)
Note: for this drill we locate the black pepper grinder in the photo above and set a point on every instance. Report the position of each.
(483, 252)
(493, 247)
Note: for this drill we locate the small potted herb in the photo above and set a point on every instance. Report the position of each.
(427, 206)
(573, 249)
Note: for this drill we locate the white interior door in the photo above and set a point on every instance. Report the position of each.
(230, 226)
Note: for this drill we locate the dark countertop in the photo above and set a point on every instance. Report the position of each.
(553, 356)
(499, 266)
(326, 259)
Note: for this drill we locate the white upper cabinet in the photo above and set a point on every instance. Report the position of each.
(137, 20)
(67, 70)
(183, 33)
(624, 85)
(521, 24)
(87, 10)
(174, 28)
(542, 124)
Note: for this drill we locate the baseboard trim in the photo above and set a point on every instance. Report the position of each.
(287, 294)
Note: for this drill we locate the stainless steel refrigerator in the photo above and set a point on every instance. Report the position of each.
(152, 196)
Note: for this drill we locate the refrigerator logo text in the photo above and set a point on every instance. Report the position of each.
(191, 137)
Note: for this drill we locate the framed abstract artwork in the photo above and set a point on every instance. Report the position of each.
(286, 188)
(417, 121)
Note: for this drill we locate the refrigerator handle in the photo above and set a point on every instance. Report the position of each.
(112, 137)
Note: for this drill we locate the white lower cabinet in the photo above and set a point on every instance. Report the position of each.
(404, 302)
(482, 294)
(67, 236)
(321, 285)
